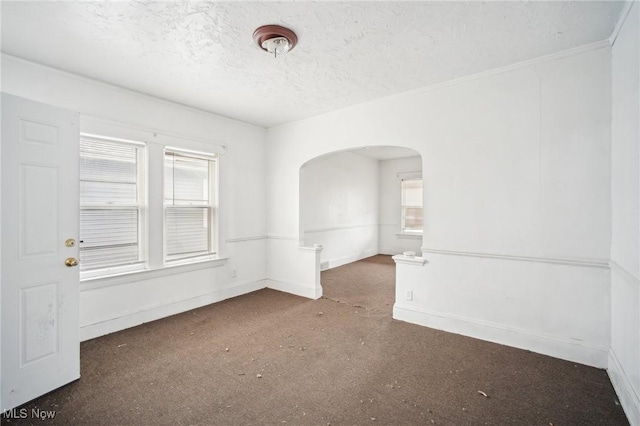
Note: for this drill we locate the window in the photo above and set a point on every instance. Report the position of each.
(411, 218)
(189, 204)
(112, 205)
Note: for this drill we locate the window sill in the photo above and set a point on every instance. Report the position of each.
(147, 274)
(409, 236)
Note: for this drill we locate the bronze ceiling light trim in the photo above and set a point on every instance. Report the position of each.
(275, 39)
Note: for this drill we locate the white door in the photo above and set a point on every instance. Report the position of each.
(40, 344)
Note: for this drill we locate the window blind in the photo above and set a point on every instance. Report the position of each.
(189, 204)
(110, 203)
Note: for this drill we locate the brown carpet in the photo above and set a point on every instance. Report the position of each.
(370, 282)
(296, 361)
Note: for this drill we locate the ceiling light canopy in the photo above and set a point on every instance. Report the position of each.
(275, 39)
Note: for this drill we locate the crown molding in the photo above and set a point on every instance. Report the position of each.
(621, 20)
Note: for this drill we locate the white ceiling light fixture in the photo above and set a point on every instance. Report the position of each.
(275, 39)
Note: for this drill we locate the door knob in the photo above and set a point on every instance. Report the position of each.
(71, 261)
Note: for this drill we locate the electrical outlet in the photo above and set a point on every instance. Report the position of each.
(234, 273)
(408, 295)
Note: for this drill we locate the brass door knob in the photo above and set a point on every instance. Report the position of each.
(71, 261)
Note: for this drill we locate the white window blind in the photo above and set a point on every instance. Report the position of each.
(189, 203)
(411, 205)
(111, 203)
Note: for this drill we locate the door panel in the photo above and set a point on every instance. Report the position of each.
(39, 322)
(39, 234)
(40, 345)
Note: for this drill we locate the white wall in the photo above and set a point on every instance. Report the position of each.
(391, 239)
(0, 223)
(350, 204)
(516, 167)
(624, 356)
(339, 207)
(112, 304)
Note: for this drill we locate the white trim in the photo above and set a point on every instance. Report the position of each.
(407, 236)
(295, 289)
(147, 274)
(511, 336)
(189, 153)
(389, 252)
(98, 125)
(243, 239)
(629, 398)
(152, 313)
(191, 259)
(334, 263)
(627, 276)
(507, 68)
(139, 144)
(409, 175)
(483, 74)
(409, 260)
(131, 92)
(589, 263)
(620, 23)
(469, 78)
(112, 271)
(316, 248)
(338, 228)
(278, 237)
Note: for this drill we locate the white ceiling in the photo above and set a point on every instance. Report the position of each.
(201, 53)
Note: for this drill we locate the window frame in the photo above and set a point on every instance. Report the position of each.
(213, 207)
(142, 207)
(403, 230)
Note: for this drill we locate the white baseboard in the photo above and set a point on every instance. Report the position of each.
(629, 399)
(388, 251)
(334, 263)
(393, 252)
(298, 290)
(524, 339)
(91, 331)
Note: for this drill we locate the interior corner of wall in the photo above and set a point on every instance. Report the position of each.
(629, 398)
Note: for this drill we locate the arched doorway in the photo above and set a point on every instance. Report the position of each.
(351, 203)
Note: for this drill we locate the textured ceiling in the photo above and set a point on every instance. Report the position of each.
(201, 53)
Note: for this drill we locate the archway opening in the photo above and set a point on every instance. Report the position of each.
(363, 206)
